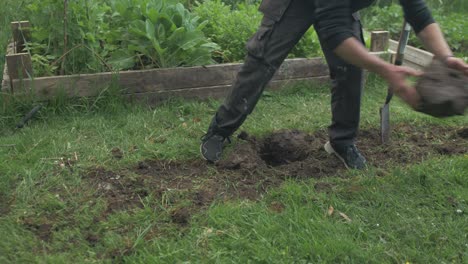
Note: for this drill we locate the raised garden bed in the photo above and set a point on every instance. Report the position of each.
(155, 85)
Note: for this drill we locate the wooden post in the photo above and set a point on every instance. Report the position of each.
(379, 40)
(19, 67)
(21, 34)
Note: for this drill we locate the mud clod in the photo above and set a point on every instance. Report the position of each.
(117, 153)
(181, 216)
(243, 157)
(463, 133)
(93, 239)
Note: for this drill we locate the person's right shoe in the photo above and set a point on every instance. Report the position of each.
(348, 154)
(211, 147)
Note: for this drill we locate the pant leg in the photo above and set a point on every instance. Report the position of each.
(347, 84)
(267, 49)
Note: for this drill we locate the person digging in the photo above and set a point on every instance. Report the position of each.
(339, 29)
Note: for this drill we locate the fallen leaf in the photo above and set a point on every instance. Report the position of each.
(330, 210)
(345, 217)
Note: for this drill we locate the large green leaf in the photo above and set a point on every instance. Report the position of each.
(122, 60)
(150, 30)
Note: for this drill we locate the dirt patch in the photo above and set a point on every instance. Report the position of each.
(181, 216)
(117, 153)
(252, 166)
(122, 191)
(4, 205)
(323, 187)
(463, 133)
(42, 228)
(285, 147)
(277, 207)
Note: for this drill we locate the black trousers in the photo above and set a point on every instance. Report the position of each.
(267, 49)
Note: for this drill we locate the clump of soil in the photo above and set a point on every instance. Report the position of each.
(180, 216)
(244, 157)
(449, 101)
(463, 133)
(117, 153)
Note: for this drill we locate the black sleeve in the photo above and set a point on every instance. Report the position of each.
(417, 14)
(333, 21)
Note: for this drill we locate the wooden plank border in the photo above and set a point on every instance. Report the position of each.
(158, 80)
(155, 85)
(414, 57)
(21, 31)
(6, 82)
(379, 41)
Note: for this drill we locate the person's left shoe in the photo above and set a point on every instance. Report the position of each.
(348, 154)
(211, 147)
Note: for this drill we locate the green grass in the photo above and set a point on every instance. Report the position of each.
(404, 216)
(395, 219)
(413, 214)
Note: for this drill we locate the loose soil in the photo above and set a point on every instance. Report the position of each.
(249, 168)
(252, 166)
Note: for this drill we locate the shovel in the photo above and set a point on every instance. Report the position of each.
(385, 109)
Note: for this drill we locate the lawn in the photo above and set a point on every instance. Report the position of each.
(103, 181)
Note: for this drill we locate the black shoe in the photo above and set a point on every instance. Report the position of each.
(212, 145)
(349, 155)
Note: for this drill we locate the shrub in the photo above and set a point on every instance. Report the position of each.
(231, 28)
(116, 35)
(153, 33)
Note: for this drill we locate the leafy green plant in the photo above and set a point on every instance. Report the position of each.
(231, 28)
(94, 36)
(159, 34)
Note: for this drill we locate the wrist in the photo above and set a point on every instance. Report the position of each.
(444, 58)
(384, 70)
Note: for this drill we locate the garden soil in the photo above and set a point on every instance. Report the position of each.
(250, 167)
(253, 165)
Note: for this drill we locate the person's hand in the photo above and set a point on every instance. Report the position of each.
(457, 64)
(396, 78)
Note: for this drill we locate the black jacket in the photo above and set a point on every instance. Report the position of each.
(333, 17)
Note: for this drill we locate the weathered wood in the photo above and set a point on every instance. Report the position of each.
(161, 79)
(6, 84)
(414, 57)
(385, 55)
(21, 31)
(155, 98)
(5, 80)
(19, 66)
(379, 40)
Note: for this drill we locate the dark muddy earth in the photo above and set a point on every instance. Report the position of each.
(253, 165)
